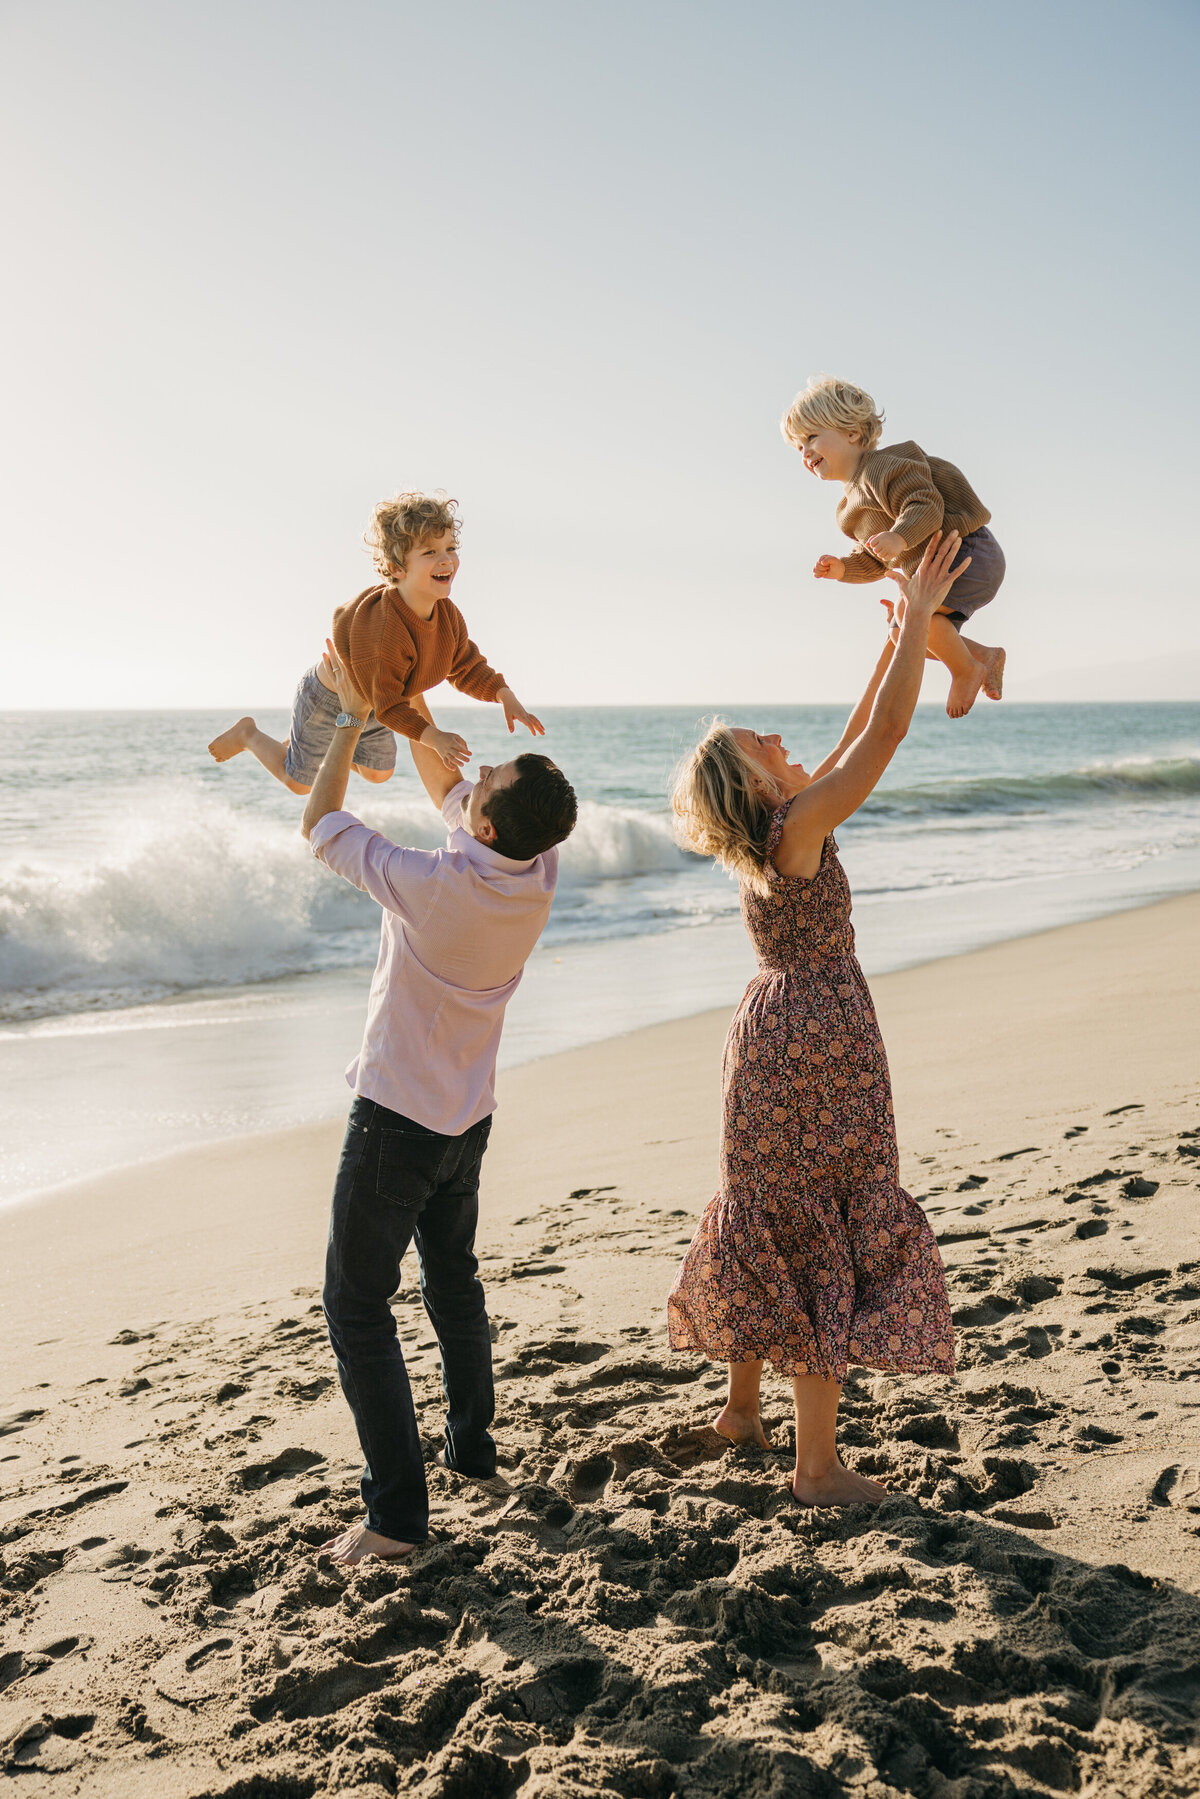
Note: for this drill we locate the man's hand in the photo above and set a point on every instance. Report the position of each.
(829, 568)
(926, 590)
(448, 745)
(887, 545)
(350, 699)
(515, 713)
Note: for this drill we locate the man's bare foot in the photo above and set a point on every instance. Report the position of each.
(964, 690)
(231, 742)
(839, 1486)
(357, 1543)
(742, 1428)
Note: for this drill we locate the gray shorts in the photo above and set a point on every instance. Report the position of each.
(981, 582)
(314, 720)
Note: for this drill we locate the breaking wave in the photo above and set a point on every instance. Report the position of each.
(203, 895)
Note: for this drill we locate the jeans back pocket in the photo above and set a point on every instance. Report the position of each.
(409, 1164)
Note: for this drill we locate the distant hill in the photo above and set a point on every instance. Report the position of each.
(1170, 677)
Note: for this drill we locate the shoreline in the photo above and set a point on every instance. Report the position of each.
(631, 1596)
(270, 1056)
(643, 1106)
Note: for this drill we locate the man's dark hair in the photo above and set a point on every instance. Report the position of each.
(534, 811)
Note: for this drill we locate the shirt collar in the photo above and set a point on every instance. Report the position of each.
(483, 853)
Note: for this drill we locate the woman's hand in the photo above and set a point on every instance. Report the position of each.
(926, 590)
(350, 698)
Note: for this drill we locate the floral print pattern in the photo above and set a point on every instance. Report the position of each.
(811, 1255)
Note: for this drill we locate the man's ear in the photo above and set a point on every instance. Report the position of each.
(487, 830)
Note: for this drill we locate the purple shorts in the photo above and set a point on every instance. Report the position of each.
(981, 582)
(314, 721)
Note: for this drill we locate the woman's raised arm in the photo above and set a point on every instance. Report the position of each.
(856, 724)
(835, 793)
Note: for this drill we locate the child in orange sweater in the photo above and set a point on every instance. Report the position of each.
(396, 641)
(895, 498)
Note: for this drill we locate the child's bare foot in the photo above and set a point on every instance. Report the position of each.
(742, 1428)
(357, 1543)
(993, 673)
(233, 741)
(837, 1486)
(964, 690)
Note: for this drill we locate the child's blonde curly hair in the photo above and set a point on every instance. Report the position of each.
(827, 402)
(399, 524)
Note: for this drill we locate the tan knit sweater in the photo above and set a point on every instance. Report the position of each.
(898, 488)
(393, 655)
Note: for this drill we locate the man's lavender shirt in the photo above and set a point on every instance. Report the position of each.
(458, 925)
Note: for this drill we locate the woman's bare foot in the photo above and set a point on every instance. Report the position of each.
(742, 1428)
(233, 741)
(837, 1486)
(357, 1543)
(964, 690)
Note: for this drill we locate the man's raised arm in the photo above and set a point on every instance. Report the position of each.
(436, 778)
(329, 789)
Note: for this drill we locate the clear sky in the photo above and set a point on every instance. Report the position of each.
(270, 260)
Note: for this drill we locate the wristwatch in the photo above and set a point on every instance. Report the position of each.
(346, 720)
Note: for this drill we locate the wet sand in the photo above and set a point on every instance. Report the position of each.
(633, 1608)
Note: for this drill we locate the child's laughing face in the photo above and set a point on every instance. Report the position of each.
(830, 454)
(429, 572)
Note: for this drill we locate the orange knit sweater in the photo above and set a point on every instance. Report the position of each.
(392, 655)
(898, 488)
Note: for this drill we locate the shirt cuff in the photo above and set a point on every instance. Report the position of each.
(329, 827)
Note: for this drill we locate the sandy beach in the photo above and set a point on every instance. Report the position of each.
(632, 1607)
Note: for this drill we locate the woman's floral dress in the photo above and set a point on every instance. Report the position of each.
(811, 1255)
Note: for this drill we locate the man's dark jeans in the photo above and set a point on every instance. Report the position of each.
(397, 1182)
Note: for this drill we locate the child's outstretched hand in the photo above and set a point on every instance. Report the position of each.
(350, 699)
(829, 568)
(448, 745)
(515, 714)
(887, 545)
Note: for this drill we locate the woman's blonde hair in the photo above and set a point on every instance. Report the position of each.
(723, 800)
(829, 403)
(399, 524)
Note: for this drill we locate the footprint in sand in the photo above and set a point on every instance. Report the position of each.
(198, 1671)
(1178, 1485)
(15, 1421)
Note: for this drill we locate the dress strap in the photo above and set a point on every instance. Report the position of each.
(775, 829)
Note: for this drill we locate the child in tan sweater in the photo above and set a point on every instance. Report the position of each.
(396, 641)
(895, 498)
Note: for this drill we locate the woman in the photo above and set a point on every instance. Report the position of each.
(811, 1255)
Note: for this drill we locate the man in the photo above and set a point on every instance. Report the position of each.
(458, 925)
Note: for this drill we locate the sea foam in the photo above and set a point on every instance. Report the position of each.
(194, 893)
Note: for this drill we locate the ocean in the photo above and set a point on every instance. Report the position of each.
(174, 965)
